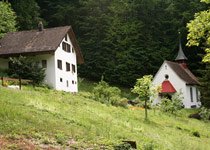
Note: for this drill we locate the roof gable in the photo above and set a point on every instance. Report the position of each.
(184, 73)
(34, 41)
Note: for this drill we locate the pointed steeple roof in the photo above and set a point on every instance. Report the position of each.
(181, 55)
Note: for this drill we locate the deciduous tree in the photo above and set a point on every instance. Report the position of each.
(146, 89)
(7, 18)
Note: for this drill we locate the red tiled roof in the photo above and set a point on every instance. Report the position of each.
(35, 41)
(167, 87)
(184, 73)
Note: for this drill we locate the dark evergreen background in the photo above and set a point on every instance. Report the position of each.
(120, 39)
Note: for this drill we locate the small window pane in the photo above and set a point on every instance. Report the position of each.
(73, 68)
(61, 80)
(67, 66)
(64, 46)
(191, 94)
(68, 48)
(44, 63)
(60, 64)
(67, 83)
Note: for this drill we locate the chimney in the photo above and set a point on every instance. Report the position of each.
(40, 26)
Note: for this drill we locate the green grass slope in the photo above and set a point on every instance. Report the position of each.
(64, 120)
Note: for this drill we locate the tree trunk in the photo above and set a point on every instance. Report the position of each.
(145, 109)
(19, 83)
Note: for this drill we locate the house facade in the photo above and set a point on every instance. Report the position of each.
(175, 76)
(55, 48)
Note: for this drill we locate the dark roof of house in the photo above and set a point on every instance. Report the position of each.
(35, 41)
(184, 73)
(181, 55)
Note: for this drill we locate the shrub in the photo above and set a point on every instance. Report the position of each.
(118, 101)
(25, 68)
(204, 113)
(4, 72)
(108, 95)
(172, 106)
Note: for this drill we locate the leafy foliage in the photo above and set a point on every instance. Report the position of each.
(25, 68)
(172, 106)
(204, 113)
(199, 31)
(205, 86)
(7, 18)
(108, 95)
(146, 89)
(118, 38)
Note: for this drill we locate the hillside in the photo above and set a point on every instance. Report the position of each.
(47, 119)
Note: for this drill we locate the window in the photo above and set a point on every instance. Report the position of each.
(73, 68)
(197, 96)
(64, 46)
(67, 66)
(44, 63)
(60, 64)
(73, 50)
(67, 83)
(61, 80)
(166, 77)
(191, 94)
(72, 81)
(68, 48)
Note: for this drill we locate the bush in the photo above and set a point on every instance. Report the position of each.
(118, 101)
(25, 68)
(4, 72)
(172, 106)
(204, 113)
(108, 95)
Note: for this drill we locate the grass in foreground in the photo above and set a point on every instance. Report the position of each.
(53, 117)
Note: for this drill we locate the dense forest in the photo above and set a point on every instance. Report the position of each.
(121, 40)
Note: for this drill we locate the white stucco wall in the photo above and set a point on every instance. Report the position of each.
(50, 70)
(177, 83)
(69, 77)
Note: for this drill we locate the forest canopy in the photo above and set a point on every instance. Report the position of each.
(121, 40)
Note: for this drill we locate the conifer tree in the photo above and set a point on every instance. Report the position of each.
(205, 86)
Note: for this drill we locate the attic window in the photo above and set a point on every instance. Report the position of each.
(73, 50)
(66, 38)
(166, 67)
(66, 47)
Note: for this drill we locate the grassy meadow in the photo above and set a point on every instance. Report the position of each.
(55, 118)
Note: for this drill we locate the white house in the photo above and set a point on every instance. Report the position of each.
(173, 76)
(55, 48)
